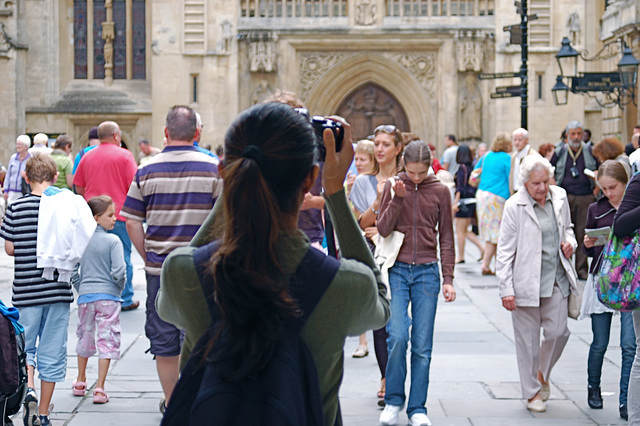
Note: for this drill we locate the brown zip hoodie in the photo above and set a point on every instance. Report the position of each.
(423, 216)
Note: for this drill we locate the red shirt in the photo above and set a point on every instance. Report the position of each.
(106, 170)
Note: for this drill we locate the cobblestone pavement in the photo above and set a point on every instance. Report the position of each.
(474, 378)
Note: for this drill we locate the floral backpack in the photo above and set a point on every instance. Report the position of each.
(618, 282)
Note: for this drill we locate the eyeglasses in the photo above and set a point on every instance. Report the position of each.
(386, 128)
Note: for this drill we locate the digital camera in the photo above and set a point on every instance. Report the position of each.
(320, 123)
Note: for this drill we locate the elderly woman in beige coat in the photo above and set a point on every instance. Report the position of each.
(535, 272)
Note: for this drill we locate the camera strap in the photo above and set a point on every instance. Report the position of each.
(574, 155)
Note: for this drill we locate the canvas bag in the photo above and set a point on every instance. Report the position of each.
(619, 276)
(474, 177)
(387, 249)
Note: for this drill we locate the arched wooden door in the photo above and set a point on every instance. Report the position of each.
(368, 107)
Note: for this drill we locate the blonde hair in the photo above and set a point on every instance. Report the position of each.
(365, 146)
(501, 143)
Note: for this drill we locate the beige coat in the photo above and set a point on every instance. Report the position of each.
(519, 256)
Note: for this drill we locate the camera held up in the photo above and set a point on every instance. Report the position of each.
(320, 123)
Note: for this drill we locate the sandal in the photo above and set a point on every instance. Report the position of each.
(360, 352)
(79, 388)
(100, 396)
(383, 386)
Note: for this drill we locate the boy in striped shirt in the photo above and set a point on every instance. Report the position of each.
(43, 305)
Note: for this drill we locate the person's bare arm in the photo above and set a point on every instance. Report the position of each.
(80, 190)
(136, 234)
(8, 247)
(69, 180)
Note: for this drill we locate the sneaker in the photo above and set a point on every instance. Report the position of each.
(389, 415)
(30, 409)
(420, 419)
(44, 421)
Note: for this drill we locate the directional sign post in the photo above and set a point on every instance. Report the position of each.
(518, 35)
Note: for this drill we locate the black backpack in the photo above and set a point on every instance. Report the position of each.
(285, 392)
(13, 368)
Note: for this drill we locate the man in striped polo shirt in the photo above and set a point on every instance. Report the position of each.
(173, 192)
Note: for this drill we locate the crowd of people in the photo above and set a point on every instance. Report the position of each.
(528, 209)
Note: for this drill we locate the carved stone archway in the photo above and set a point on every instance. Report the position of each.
(370, 106)
(410, 79)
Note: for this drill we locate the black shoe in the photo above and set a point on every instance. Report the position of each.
(594, 398)
(30, 409)
(623, 411)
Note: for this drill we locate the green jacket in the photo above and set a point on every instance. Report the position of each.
(354, 302)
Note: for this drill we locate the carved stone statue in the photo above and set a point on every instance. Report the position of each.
(365, 12)
(261, 93)
(573, 25)
(470, 110)
(226, 37)
(262, 56)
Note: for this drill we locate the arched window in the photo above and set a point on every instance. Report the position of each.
(123, 49)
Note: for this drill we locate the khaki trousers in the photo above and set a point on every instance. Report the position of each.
(551, 315)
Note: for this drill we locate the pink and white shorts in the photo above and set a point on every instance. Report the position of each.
(106, 315)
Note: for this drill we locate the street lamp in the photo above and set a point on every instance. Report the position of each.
(618, 88)
(560, 92)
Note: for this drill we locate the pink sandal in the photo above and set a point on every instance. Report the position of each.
(100, 396)
(79, 388)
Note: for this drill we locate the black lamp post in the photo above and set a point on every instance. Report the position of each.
(619, 87)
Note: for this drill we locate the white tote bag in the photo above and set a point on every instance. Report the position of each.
(387, 249)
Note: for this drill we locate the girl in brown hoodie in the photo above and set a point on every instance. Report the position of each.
(420, 207)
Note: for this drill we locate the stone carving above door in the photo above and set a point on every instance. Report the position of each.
(470, 50)
(313, 66)
(366, 12)
(422, 66)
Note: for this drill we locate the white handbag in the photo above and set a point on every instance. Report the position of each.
(387, 249)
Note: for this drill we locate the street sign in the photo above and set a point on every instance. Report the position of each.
(494, 75)
(515, 33)
(508, 89)
(504, 95)
(596, 81)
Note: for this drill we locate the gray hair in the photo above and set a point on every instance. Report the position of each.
(531, 163)
(40, 139)
(575, 124)
(521, 131)
(198, 121)
(24, 140)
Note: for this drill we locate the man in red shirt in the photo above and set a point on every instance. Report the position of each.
(109, 169)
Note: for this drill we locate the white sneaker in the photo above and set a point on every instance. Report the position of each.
(420, 419)
(389, 415)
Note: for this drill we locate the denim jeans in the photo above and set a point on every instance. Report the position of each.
(601, 328)
(121, 231)
(45, 332)
(420, 285)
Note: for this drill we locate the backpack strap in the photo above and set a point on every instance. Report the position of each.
(311, 280)
(309, 283)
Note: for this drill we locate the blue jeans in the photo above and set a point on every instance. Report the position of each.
(121, 231)
(601, 328)
(420, 285)
(47, 325)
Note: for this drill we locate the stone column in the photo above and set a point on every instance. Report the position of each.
(108, 35)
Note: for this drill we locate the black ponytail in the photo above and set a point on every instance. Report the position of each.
(269, 151)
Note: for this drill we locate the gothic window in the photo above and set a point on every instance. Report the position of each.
(128, 45)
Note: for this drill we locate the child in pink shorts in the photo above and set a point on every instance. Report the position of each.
(99, 281)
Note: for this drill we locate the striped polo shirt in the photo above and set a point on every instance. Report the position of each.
(20, 226)
(173, 192)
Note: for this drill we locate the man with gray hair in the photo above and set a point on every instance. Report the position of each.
(570, 160)
(521, 149)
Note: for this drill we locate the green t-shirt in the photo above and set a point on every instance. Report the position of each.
(65, 167)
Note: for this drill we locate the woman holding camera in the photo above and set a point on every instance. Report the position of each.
(269, 165)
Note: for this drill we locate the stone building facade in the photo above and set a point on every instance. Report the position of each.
(67, 65)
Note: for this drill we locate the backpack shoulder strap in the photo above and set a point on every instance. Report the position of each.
(311, 280)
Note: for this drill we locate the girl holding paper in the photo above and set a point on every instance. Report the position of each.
(612, 179)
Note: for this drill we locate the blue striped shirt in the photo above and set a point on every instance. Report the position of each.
(20, 226)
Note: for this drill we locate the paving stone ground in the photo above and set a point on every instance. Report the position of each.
(474, 378)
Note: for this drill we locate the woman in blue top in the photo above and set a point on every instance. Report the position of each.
(492, 194)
